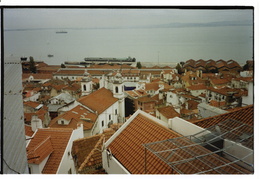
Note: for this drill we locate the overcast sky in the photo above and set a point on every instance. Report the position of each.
(117, 18)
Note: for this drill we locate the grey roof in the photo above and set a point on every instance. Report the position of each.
(14, 143)
(67, 98)
(54, 107)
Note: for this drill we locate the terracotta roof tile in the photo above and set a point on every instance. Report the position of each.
(192, 105)
(76, 115)
(168, 112)
(28, 130)
(220, 81)
(128, 148)
(99, 100)
(136, 93)
(31, 104)
(70, 72)
(244, 114)
(217, 103)
(58, 138)
(40, 151)
(145, 99)
(37, 76)
(197, 87)
(88, 151)
(152, 86)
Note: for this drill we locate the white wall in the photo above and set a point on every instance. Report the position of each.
(172, 98)
(160, 116)
(111, 165)
(37, 169)
(98, 128)
(183, 127)
(67, 162)
(197, 92)
(249, 99)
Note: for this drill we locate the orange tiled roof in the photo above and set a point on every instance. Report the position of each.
(99, 100)
(40, 114)
(76, 115)
(31, 104)
(244, 79)
(37, 76)
(70, 72)
(217, 103)
(88, 150)
(57, 139)
(197, 87)
(219, 81)
(59, 87)
(40, 151)
(136, 93)
(28, 130)
(192, 105)
(128, 146)
(73, 87)
(226, 91)
(151, 86)
(244, 114)
(168, 112)
(145, 99)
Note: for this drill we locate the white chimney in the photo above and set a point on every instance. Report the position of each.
(36, 123)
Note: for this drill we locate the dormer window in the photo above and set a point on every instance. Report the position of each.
(62, 122)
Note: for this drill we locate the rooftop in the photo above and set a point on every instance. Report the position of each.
(99, 100)
(50, 138)
(143, 146)
(244, 114)
(76, 115)
(128, 149)
(87, 151)
(202, 152)
(168, 112)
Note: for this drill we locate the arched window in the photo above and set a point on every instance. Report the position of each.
(116, 89)
(84, 88)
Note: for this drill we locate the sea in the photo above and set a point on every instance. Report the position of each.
(147, 45)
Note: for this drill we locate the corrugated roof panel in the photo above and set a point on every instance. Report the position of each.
(14, 144)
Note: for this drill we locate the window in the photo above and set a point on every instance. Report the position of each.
(84, 87)
(116, 111)
(102, 123)
(62, 122)
(109, 116)
(116, 89)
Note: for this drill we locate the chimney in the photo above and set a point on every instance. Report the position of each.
(36, 123)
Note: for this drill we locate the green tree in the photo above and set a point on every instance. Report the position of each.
(62, 66)
(139, 65)
(32, 66)
(245, 67)
(179, 68)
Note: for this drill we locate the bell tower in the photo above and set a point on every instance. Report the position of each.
(118, 92)
(86, 84)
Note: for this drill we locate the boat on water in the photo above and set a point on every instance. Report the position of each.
(50, 55)
(61, 32)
